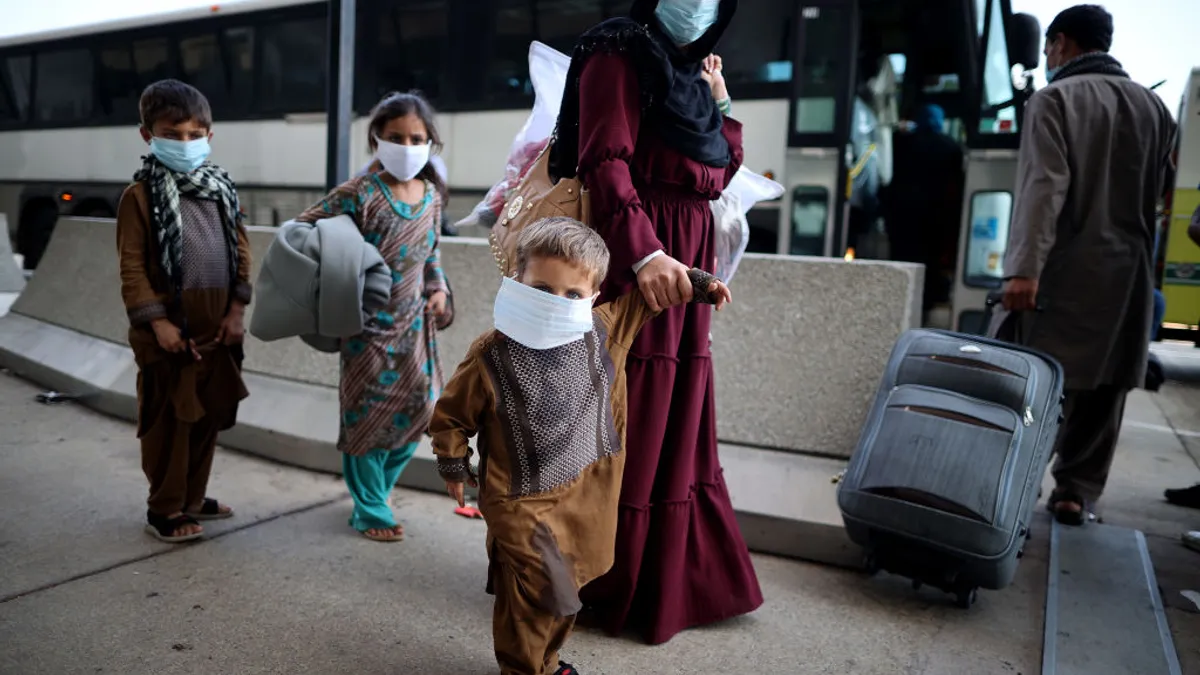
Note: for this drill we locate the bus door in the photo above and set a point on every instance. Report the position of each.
(813, 216)
(991, 162)
(1181, 269)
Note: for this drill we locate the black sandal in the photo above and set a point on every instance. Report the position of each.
(210, 509)
(566, 669)
(162, 528)
(1066, 516)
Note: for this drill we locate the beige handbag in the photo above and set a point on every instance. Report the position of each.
(537, 196)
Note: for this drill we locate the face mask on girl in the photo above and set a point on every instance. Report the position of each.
(404, 162)
(685, 21)
(538, 319)
(181, 156)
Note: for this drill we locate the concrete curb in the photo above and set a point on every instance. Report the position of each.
(785, 502)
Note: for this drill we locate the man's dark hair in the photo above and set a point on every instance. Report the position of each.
(173, 101)
(1090, 26)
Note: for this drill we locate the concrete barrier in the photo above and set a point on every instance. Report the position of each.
(12, 279)
(798, 356)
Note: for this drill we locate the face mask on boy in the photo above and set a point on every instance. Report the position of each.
(181, 156)
(685, 21)
(404, 162)
(538, 319)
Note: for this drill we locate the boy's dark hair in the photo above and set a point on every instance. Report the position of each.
(566, 239)
(173, 101)
(396, 105)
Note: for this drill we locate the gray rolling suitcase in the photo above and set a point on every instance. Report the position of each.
(942, 485)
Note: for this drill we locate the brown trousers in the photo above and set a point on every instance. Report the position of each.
(177, 459)
(526, 638)
(1087, 439)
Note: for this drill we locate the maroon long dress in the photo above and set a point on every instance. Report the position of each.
(680, 557)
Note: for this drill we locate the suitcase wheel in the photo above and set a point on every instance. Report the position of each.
(966, 598)
(871, 565)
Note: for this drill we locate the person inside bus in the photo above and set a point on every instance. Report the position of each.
(390, 374)
(185, 281)
(1094, 156)
(921, 205)
(647, 115)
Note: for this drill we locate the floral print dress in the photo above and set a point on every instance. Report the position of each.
(390, 374)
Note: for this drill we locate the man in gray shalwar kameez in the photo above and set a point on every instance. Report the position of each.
(1093, 162)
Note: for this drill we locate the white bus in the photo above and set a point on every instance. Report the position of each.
(799, 73)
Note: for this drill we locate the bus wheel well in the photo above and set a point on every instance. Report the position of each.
(34, 229)
(94, 207)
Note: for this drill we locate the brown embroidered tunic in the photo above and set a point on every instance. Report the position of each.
(170, 384)
(551, 427)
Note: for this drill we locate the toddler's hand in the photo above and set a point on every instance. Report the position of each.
(455, 490)
(232, 330)
(720, 294)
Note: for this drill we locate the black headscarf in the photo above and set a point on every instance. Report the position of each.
(676, 101)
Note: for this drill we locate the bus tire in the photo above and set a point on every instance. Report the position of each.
(94, 208)
(35, 229)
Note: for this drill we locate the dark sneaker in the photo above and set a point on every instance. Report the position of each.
(566, 669)
(1189, 497)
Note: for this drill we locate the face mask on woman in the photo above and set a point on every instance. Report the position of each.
(685, 21)
(404, 162)
(181, 156)
(538, 319)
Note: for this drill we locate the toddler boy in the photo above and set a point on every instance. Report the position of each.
(545, 392)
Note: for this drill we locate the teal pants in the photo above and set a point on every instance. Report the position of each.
(370, 478)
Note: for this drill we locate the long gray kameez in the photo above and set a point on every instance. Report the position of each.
(1093, 163)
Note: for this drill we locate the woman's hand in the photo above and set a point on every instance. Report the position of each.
(664, 282)
(711, 70)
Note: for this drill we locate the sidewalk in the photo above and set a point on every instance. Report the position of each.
(286, 587)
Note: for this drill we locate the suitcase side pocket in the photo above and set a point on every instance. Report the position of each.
(942, 450)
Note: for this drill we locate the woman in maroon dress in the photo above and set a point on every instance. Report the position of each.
(654, 146)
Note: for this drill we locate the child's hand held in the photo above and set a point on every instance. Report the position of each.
(455, 490)
(721, 294)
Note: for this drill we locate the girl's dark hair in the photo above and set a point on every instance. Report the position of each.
(396, 105)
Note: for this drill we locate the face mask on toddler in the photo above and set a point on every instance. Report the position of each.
(685, 21)
(538, 319)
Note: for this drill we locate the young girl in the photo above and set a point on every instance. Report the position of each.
(390, 374)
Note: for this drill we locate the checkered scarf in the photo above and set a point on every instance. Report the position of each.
(209, 181)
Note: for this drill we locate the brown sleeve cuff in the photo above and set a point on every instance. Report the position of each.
(243, 292)
(701, 280)
(146, 313)
(454, 469)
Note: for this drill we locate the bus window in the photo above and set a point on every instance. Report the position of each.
(506, 68)
(998, 114)
(152, 58)
(411, 43)
(64, 92)
(810, 212)
(757, 49)
(200, 62)
(239, 43)
(293, 66)
(15, 73)
(980, 17)
(560, 22)
(987, 239)
(822, 70)
(119, 84)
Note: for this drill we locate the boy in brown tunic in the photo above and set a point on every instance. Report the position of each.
(185, 280)
(545, 392)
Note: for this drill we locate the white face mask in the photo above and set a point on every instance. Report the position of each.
(685, 21)
(404, 162)
(538, 319)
